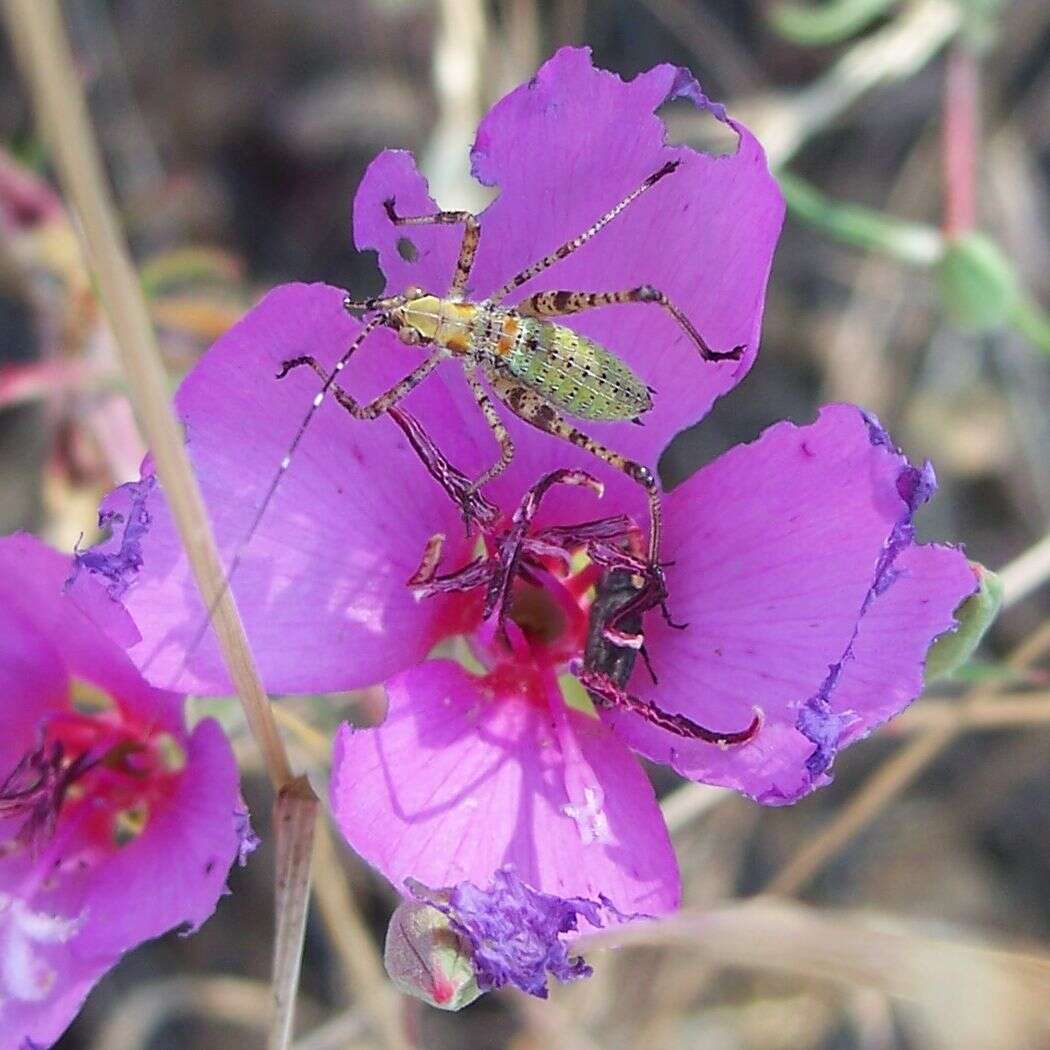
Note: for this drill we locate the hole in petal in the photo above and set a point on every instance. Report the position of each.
(407, 250)
(688, 125)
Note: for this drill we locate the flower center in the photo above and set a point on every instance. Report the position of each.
(537, 615)
(90, 764)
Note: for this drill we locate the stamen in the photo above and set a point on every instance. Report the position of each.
(36, 788)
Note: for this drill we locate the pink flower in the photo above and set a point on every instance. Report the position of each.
(116, 824)
(792, 560)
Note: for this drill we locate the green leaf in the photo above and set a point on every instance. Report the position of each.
(975, 616)
(828, 23)
(978, 285)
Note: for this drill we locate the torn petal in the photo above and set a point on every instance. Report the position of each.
(782, 550)
(515, 932)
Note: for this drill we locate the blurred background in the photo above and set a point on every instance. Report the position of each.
(912, 141)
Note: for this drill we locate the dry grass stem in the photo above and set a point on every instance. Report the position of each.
(1027, 572)
(689, 802)
(358, 955)
(996, 713)
(40, 41)
(345, 1031)
(142, 1012)
(984, 997)
(295, 824)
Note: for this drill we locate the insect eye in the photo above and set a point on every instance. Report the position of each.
(413, 292)
(408, 336)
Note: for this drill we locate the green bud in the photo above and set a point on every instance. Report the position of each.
(975, 616)
(978, 285)
(425, 958)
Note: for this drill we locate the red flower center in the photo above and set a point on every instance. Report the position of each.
(94, 764)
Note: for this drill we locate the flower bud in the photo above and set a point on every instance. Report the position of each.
(978, 285)
(975, 616)
(426, 958)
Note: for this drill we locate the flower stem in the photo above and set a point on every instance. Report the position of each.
(959, 139)
(295, 824)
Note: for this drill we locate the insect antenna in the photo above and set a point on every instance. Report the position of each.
(235, 562)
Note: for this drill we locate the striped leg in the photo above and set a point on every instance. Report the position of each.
(467, 250)
(529, 406)
(578, 242)
(384, 402)
(499, 431)
(560, 304)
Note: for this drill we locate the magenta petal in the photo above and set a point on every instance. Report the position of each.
(322, 584)
(459, 781)
(563, 149)
(33, 683)
(85, 645)
(781, 551)
(172, 875)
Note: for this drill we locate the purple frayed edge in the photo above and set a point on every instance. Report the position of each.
(123, 565)
(816, 720)
(247, 841)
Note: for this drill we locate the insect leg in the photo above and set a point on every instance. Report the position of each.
(499, 431)
(578, 242)
(467, 249)
(383, 402)
(529, 406)
(558, 304)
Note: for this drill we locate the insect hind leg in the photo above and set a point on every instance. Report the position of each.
(379, 405)
(562, 304)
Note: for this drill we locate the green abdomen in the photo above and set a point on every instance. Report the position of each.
(575, 374)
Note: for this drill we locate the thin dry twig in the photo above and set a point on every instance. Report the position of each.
(357, 952)
(295, 824)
